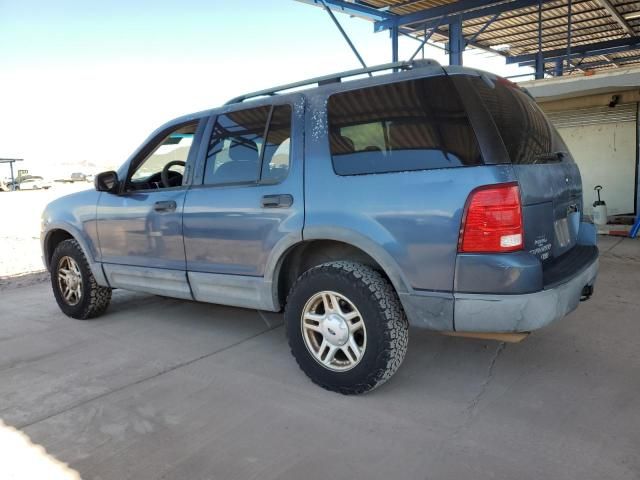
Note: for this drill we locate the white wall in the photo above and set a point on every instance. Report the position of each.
(606, 155)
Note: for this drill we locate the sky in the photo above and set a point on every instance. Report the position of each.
(87, 81)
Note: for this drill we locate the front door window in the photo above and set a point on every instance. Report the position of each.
(164, 166)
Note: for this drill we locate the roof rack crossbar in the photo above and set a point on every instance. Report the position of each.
(333, 78)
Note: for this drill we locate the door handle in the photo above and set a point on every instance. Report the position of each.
(165, 206)
(277, 201)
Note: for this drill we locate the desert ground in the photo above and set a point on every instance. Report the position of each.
(20, 227)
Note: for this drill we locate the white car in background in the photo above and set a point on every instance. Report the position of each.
(34, 183)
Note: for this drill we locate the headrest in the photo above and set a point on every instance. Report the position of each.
(243, 150)
(341, 145)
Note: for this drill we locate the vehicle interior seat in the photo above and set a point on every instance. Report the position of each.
(242, 164)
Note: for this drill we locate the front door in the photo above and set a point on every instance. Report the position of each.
(249, 202)
(140, 228)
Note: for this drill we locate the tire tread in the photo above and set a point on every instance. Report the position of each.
(395, 338)
(99, 297)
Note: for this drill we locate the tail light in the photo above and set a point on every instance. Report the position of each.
(492, 220)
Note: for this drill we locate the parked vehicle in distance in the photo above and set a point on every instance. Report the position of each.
(436, 197)
(32, 182)
(74, 177)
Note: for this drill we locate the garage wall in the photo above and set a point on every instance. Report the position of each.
(603, 142)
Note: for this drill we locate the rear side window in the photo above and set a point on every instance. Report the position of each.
(248, 146)
(412, 125)
(527, 134)
(276, 156)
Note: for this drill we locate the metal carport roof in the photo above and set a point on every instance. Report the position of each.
(562, 36)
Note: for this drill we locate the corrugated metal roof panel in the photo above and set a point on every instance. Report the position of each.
(517, 29)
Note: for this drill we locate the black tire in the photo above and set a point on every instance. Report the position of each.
(386, 325)
(94, 300)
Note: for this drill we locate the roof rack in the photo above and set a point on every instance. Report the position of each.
(335, 78)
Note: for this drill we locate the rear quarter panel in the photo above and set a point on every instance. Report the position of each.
(411, 218)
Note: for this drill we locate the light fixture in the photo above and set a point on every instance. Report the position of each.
(632, 15)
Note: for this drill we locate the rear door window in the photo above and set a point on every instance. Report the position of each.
(412, 125)
(526, 132)
(248, 146)
(276, 156)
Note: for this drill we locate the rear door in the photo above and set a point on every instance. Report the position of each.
(550, 183)
(247, 201)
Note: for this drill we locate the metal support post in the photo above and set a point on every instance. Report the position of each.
(394, 44)
(539, 56)
(13, 180)
(559, 67)
(456, 42)
(569, 34)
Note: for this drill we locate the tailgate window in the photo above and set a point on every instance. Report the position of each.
(527, 134)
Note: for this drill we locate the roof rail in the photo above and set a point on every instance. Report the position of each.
(335, 78)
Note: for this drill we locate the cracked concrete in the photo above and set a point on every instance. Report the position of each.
(161, 388)
(485, 384)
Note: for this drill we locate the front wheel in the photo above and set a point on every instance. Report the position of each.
(74, 286)
(346, 327)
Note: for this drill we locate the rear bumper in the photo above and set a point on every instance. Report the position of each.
(480, 312)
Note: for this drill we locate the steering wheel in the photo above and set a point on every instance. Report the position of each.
(164, 175)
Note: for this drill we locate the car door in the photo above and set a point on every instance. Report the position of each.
(248, 203)
(140, 226)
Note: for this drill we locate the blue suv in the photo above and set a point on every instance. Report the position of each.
(430, 196)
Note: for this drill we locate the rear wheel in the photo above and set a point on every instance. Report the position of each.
(346, 327)
(74, 286)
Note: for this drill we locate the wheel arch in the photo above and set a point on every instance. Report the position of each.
(53, 238)
(314, 251)
(56, 234)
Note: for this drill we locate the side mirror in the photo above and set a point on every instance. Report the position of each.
(106, 182)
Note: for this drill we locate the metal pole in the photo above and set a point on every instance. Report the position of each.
(637, 193)
(344, 34)
(13, 181)
(456, 42)
(569, 34)
(539, 57)
(559, 68)
(394, 44)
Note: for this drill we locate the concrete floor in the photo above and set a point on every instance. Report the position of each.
(160, 388)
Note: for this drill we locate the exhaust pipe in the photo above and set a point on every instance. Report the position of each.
(587, 291)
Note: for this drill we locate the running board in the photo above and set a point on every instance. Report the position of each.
(501, 337)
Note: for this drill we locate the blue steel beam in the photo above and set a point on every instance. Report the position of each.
(600, 63)
(484, 27)
(464, 9)
(361, 10)
(346, 37)
(353, 8)
(424, 41)
(586, 50)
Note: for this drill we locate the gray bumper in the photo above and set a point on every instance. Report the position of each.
(520, 313)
